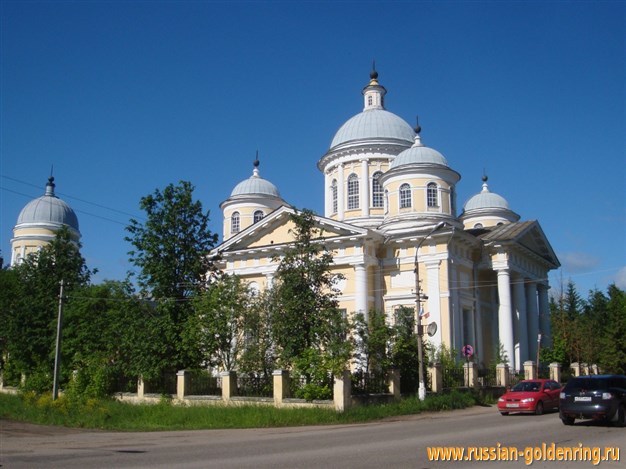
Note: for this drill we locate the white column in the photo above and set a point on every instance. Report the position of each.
(341, 188)
(521, 323)
(533, 319)
(269, 279)
(360, 278)
(505, 317)
(433, 304)
(328, 203)
(365, 193)
(378, 286)
(544, 315)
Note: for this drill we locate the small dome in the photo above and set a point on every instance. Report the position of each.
(255, 185)
(486, 200)
(48, 209)
(417, 154)
(373, 124)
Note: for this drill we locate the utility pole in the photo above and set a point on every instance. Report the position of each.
(57, 355)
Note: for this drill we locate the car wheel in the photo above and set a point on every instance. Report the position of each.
(567, 420)
(539, 408)
(621, 417)
(504, 413)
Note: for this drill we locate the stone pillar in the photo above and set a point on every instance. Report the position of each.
(521, 323)
(503, 378)
(576, 368)
(182, 383)
(436, 377)
(342, 391)
(470, 374)
(341, 189)
(229, 385)
(505, 317)
(360, 280)
(365, 193)
(555, 372)
(530, 369)
(433, 304)
(594, 369)
(532, 319)
(584, 369)
(141, 388)
(544, 315)
(281, 386)
(393, 381)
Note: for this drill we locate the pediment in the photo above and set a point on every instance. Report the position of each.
(276, 229)
(527, 234)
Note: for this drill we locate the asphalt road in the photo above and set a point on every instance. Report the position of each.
(396, 443)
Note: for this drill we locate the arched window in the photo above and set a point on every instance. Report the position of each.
(431, 195)
(234, 223)
(405, 196)
(258, 216)
(377, 191)
(353, 192)
(370, 101)
(333, 191)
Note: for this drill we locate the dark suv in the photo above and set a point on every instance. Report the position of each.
(598, 397)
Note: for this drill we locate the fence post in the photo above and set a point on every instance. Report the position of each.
(576, 368)
(141, 388)
(594, 369)
(530, 370)
(469, 374)
(436, 377)
(1, 380)
(555, 372)
(342, 391)
(502, 375)
(229, 384)
(281, 386)
(182, 383)
(393, 381)
(584, 368)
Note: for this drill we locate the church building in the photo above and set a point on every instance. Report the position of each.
(390, 220)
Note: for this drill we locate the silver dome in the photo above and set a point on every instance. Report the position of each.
(419, 154)
(373, 124)
(48, 210)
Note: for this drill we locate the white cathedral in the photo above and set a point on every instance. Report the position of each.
(390, 221)
(390, 218)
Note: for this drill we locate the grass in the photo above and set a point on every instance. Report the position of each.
(114, 415)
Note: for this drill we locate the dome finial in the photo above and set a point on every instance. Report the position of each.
(485, 179)
(256, 162)
(418, 129)
(50, 186)
(373, 73)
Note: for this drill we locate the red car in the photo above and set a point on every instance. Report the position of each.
(534, 395)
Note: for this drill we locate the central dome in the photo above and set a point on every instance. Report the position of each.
(373, 124)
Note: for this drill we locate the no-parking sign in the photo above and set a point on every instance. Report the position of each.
(467, 351)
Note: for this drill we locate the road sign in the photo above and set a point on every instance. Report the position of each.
(467, 351)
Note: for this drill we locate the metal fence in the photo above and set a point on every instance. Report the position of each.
(487, 377)
(163, 384)
(364, 383)
(201, 383)
(255, 386)
(298, 386)
(124, 384)
(453, 377)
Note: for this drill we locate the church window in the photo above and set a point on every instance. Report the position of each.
(258, 216)
(377, 191)
(431, 195)
(333, 189)
(234, 223)
(370, 101)
(353, 192)
(405, 196)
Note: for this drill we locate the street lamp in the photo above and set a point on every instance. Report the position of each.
(418, 300)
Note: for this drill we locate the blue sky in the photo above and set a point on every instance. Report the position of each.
(124, 97)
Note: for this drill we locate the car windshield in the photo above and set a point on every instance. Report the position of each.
(529, 386)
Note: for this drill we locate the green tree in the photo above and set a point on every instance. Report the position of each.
(613, 332)
(215, 330)
(257, 355)
(404, 349)
(372, 339)
(31, 317)
(306, 321)
(171, 250)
